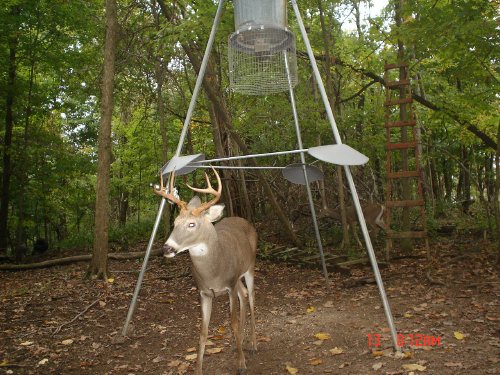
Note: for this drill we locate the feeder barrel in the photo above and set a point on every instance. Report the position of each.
(260, 12)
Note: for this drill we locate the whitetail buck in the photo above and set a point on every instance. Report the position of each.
(373, 213)
(221, 255)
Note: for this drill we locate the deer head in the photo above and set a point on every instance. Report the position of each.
(193, 228)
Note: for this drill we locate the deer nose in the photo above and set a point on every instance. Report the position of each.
(168, 251)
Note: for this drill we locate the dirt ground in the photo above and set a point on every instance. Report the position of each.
(53, 321)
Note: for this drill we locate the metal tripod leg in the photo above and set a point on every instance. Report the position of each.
(143, 268)
(352, 186)
(306, 179)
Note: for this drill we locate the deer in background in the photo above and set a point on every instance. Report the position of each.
(221, 255)
(373, 213)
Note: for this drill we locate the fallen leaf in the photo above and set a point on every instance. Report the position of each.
(102, 303)
(408, 315)
(111, 280)
(322, 336)
(453, 364)
(414, 367)
(377, 366)
(458, 335)
(263, 339)
(315, 361)
(174, 363)
(328, 304)
(221, 329)
(191, 349)
(213, 350)
(336, 351)
(291, 370)
(67, 342)
(191, 357)
(26, 343)
(311, 309)
(43, 361)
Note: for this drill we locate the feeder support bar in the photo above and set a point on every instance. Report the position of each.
(350, 180)
(201, 76)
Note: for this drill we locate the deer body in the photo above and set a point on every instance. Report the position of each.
(221, 255)
(372, 212)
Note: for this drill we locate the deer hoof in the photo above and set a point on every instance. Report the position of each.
(252, 351)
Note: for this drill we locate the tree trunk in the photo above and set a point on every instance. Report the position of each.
(331, 99)
(20, 244)
(403, 116)
(7, 142)
(99, 265)
(496, 203)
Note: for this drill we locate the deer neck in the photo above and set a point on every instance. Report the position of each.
(205, 250)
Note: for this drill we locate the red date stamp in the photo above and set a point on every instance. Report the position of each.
(410, 339)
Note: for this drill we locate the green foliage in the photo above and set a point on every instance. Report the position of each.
(452, 48)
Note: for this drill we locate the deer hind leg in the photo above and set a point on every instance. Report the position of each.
(236, 325)
(354, 229)
(379, 220)
(206, 312)
(249, 281)
(242, 296)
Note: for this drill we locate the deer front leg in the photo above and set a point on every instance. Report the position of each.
(236, 327)
(206, 311)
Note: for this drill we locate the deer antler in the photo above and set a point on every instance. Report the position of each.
(169, 193)
(208, 190)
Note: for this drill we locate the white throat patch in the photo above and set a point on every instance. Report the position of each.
(198, 250)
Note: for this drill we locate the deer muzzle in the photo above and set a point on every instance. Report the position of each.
(169, 251)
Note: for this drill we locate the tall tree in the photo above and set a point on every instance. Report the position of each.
(99, 264)
(9, 125)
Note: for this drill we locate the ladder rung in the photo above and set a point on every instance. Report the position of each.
(398, 101)
(399, 124)
(402, 82)
(409, 203)
(411, 234)
(400, 146)
(395, 65)
(403, 174)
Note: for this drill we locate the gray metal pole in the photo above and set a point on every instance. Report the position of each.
(303, 161)
(143, 268)
(200, 77)
(241, 157)
(189, 114)
(350, 180)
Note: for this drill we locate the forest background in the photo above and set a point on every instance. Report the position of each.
(53, 58)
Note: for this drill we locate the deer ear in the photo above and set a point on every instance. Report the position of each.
(194, 202)
(215, 212)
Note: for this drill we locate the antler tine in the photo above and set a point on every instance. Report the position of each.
(168, 194)
(208, 190)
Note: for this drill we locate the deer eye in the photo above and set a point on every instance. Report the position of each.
(191, 225)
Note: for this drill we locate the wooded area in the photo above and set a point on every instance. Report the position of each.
(69, 70)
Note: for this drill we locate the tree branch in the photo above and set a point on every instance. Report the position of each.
(485, 138)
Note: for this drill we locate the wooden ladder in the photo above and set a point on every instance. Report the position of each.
(402, 164)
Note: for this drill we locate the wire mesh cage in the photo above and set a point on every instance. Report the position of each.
(262, 51)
